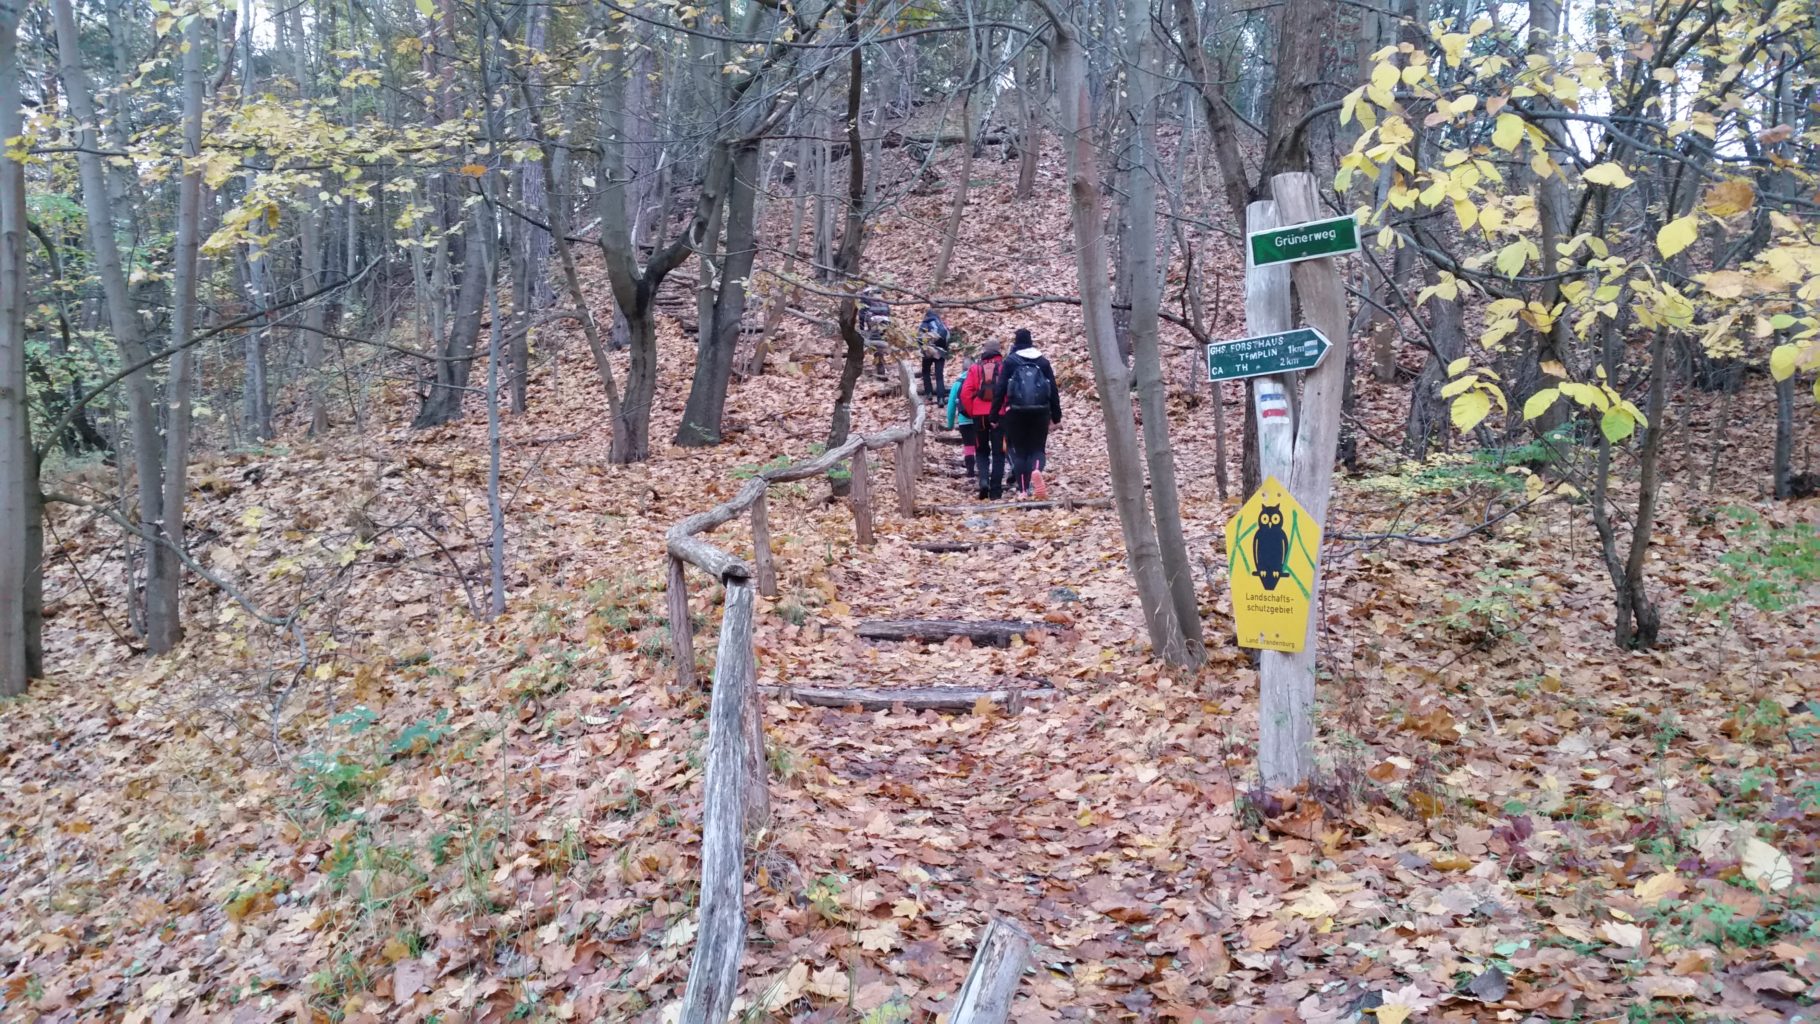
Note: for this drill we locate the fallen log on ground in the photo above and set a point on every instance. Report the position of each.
(993, 632)
(958, 700)
(1001, 506)
(945, 547)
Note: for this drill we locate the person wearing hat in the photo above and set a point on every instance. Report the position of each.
(978, 392)
(1026, 403)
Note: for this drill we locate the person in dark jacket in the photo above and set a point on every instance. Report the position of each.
(1026, 404)
(978, 391)
(933, 335)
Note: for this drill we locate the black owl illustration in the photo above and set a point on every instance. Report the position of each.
(1270, 547)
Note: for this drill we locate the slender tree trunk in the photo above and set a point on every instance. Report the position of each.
(853, 245)
(1783, 471)
(957, 207)
(312, 221)
(782, 295)
(163, 626)
(1111, 376)
(1030, 141)
(1146, 289)
(183, 288)
(18, 480)
(1222, 127)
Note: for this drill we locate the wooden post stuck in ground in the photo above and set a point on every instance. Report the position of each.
(682, 631)
(985, 997)
(762, 561)
(860, 497)
(721, 932)
(904, 469)
(1297, 443)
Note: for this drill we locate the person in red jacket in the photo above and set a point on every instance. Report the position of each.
(978, 394)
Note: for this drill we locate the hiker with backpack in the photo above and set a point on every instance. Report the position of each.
(979, 390)
(933, 334)
(959, 420)
(1026, 404)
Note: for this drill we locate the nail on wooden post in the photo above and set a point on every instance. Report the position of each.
(682, 631)
(761, 548)
(901, 469)
(860, 497)
(985, 997)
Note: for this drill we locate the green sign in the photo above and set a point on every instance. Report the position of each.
(1303, 241)
(1266, 354)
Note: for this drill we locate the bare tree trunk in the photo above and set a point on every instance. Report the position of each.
(17, 480)
(313, 259)
(1783, 471)
(707, 403)
(1111, 376)
(455, 361)
(163, 626)
(782, 295)
(957, 207)
(183, 289)
(853, 244)
(1030, 141)
(1145, 286)
(1222, 127)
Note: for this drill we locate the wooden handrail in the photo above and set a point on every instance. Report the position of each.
(735, 785)
(682, 541)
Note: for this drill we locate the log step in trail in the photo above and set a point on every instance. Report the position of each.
(983, 633)
(948, 547)
(955, 699)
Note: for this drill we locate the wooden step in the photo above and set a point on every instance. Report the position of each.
(958, 699)
(983, 633)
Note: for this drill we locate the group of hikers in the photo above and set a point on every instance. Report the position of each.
(1002, 404)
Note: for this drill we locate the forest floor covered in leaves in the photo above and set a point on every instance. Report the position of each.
(448, 818)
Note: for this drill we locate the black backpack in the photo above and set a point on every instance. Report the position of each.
(1028, 388)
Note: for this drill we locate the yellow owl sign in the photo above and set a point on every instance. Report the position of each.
(1271, 547)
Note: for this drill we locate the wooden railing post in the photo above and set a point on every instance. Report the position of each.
(902, 467)
(985, 997)
(860, 497)
(682, 631)
(762, 561)
(721, 930)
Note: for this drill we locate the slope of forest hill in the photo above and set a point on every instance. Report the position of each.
(452, 818)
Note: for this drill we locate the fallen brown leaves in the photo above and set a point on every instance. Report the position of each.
(482, 821)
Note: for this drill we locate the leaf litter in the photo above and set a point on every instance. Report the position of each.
(448, 818)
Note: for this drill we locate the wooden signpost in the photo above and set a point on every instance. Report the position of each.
(1297, 442)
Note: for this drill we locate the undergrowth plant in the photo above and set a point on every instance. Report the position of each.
(1768, 567)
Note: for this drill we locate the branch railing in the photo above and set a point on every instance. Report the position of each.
(736, 790)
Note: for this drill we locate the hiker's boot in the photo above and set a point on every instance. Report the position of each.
(1038, 488)
(968, 462)
(983, 493)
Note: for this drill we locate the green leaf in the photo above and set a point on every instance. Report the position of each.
(1677, 235)
(1616, 425)
(1458, 365)
(1781, 321)
(1608, 174)
(1782, 360)
(426, 8)
(1512, 257)
(1470, 409)
(1540, 402)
